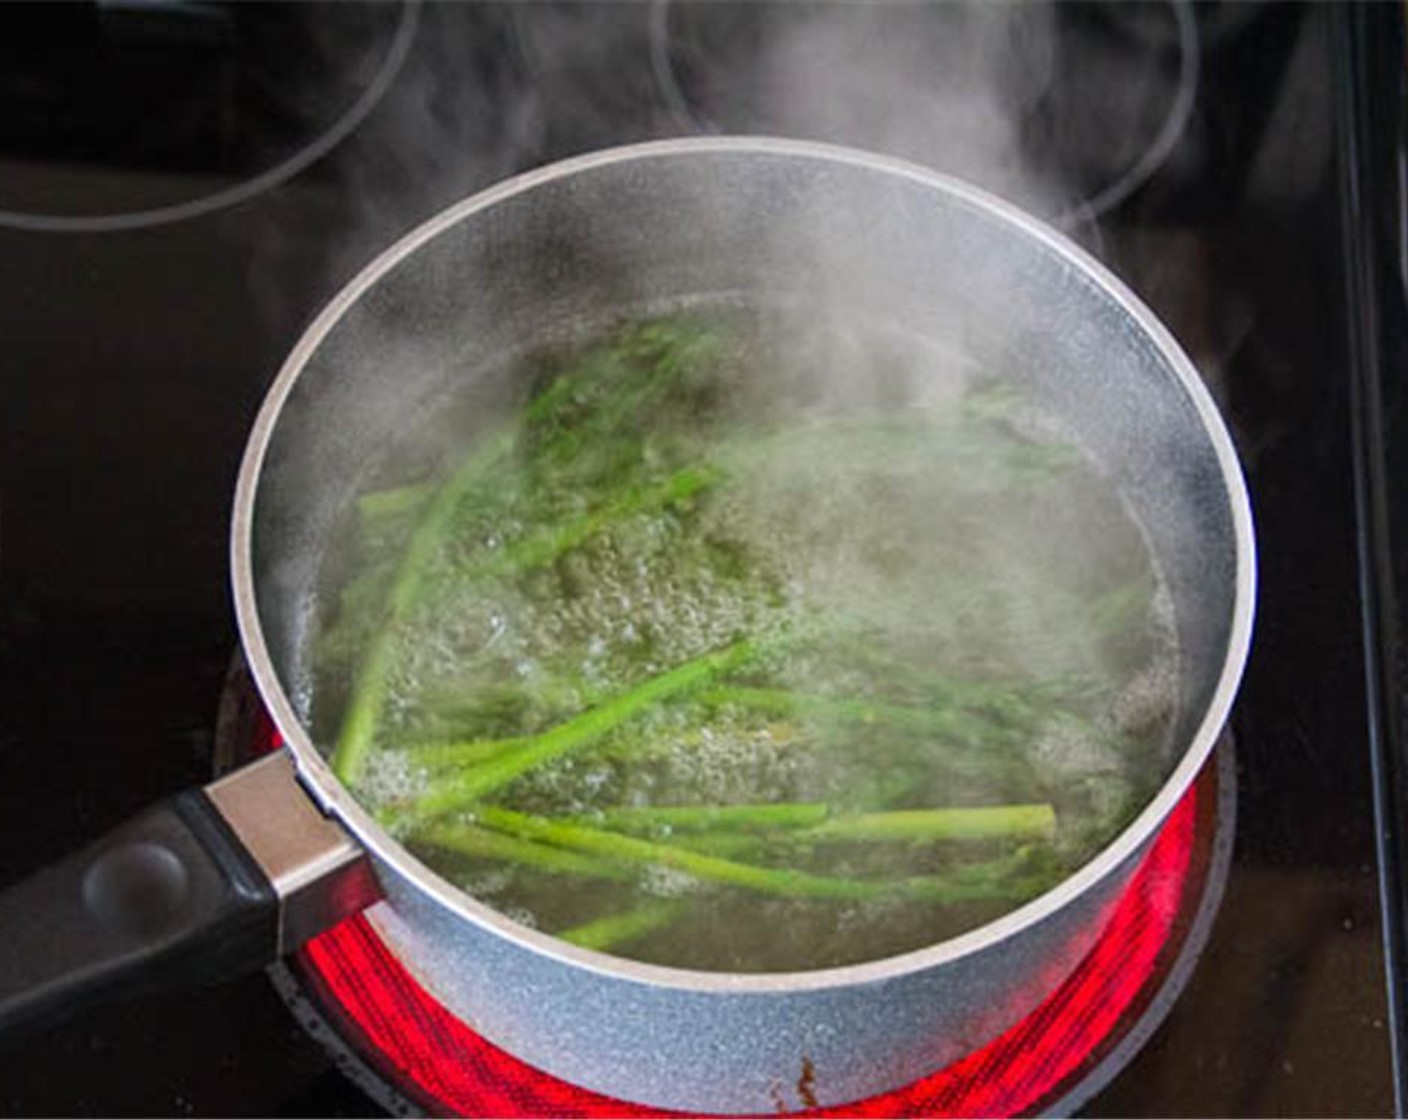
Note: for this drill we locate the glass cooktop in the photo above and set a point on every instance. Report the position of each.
(184, 185)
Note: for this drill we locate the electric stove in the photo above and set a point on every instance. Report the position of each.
(184, 185)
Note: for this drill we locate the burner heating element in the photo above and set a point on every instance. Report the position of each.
(407, 1051)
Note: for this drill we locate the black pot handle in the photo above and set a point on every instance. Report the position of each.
(208, 885)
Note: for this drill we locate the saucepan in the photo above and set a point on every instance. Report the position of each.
(227, 877)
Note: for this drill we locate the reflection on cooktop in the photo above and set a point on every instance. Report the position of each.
(131, 113)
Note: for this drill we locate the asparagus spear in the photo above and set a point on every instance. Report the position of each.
(455, 757)
(880, 442)
(370, 686)
(551, 541)
(704, 818)
(480, 843)
(619, 929)
(631, 849)
(783, 828)
(369, 689)
(984, 822)
(458, 767)
(815, 820)
(946, 720)
(397, 501)
(519, 755)
(989, 880)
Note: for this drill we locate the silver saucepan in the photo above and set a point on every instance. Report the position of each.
(227, 877)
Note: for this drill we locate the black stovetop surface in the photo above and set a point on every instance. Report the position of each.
(134, 350)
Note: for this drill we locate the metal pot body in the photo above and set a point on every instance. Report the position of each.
(554, 253)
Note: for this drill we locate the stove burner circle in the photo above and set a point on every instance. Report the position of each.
(1066, 1050)
(1019, 102)
(162, 52)
(1162, 992)
(397, 1044)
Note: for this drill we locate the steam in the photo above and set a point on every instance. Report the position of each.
(968, 89)
(1055, 109)
(945, 85)
(1063, 111)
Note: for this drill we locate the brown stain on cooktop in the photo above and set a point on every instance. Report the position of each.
(806, 1084)
(806, 1090)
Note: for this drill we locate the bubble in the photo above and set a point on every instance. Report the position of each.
(389, 777)
(1069, 746)
(487, 884)
(1147, 700)
(520, 914)
(668, 882)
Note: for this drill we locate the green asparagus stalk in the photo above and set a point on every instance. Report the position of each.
(370, 686)
(1010, 878)
(704, 818)
(457, 766)
(990, 880)
(456, 756)
(398, 501)
(1021, 705)
(879, 441)
(480, 843)
(744, 846)
(659, 359)
(517, 756)
(947, 720)
(987, 822)
(633, 850)
(411, 578)
(550, 542)
(752, 834)
(620, 929)
(815, 820)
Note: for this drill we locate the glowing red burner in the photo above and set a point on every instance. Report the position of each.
(424, 1049)
(429, 1055)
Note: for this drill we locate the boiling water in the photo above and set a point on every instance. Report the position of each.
(746, 644)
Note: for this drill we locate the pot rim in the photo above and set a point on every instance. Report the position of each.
(329, 792)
